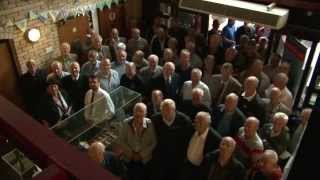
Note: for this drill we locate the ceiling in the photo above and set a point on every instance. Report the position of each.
(310, 5)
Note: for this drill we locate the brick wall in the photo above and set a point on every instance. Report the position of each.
(17, 10)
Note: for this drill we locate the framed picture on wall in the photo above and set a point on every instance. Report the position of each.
(165, 9)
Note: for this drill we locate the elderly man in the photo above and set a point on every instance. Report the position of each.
(99, 106)
(76, 86)
(250, 102)
(168, 56)
(249, 144)
(229, 118)
(223, 84)
(131, 80)
(57, 72)
(109, 78)
(154, 104)
(298, 133)
(256, 69)
(108, 160)
(196, 82)
(276, 135)
(221, 164)
(92, 65)
(203, 141)
(280, 81)
(271, 69)
(195, 59)
(192, 107)
(168, 82)
(33, 86)
(267, 168)
(137, 43)
(139, 60)
(160, 41)
(137, 140)
(184, 68)
(273, 104)
(102, 50)
(172, 132)
(120, 64)
(66, 58)
(151, 71)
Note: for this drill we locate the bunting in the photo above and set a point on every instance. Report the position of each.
(22, 25)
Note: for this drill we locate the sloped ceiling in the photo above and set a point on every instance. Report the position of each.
(311, 5)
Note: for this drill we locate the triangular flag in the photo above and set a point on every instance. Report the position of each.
(100, 6)
(53, 15)
(108, 3)
(22, 25)
(43, 16)
(32, 15)
(9, 23)
(116, 2)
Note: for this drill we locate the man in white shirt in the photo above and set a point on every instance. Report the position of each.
(98, 104)
(204, 140)
(196, 82)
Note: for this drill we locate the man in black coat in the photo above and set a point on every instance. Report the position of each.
(250, 103)
(184, 68)
(76, 86)
(203, 140)
(160, 41)
(168, 82)
(131, 80)
(221, 164)
(228, 118)
(33, 86)
(172, 130)
(192, 107)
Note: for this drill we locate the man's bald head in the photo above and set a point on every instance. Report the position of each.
(96, 151)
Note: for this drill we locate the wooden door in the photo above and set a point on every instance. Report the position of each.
(9, 87)
(115, 17)
(73, 29)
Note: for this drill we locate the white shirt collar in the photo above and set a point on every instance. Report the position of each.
(248, 98)
(77, 78)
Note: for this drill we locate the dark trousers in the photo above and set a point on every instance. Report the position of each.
(189, 171)
(137, 170)
(165, 170)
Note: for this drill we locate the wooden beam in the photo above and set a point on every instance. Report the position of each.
(300, 4)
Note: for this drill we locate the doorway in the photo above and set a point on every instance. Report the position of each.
(9, 87)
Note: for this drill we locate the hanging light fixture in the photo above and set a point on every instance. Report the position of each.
(33, 35)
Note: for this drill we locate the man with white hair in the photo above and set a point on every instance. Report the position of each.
(249, 144)
(222, 164)
(137, 140)
(92, 65)
(196, 82)
(119, 64)
(66, 57)
(228, 117)
(151, 71)
(172, 133)
(168, 82)
(276, 135)
(57, 72)
(267, 168)
(204, 140)
(102, 50)
(109, 78)
(280, 81)
(250, 102)
(195, 105)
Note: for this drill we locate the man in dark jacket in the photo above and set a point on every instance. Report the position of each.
(172, 130)
(204, 140)
(221, 164)
(228, 117)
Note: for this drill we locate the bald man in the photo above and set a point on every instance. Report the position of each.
(131, 80)
(172, 133)
(137, 140)
(108, 160)
(137, 43)
(221, 164)
(250, 102)
(76, 86)
(249, 144)
(228, 117)
(203, 141)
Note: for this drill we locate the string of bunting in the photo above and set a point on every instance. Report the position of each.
(57, 15)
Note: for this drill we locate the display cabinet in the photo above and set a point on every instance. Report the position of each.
(79, 132)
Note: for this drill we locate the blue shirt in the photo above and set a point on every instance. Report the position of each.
(89, 68)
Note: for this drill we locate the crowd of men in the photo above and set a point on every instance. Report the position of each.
(213, 107)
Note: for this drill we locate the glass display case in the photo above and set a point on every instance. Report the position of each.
(80, 132)
(18, 166)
